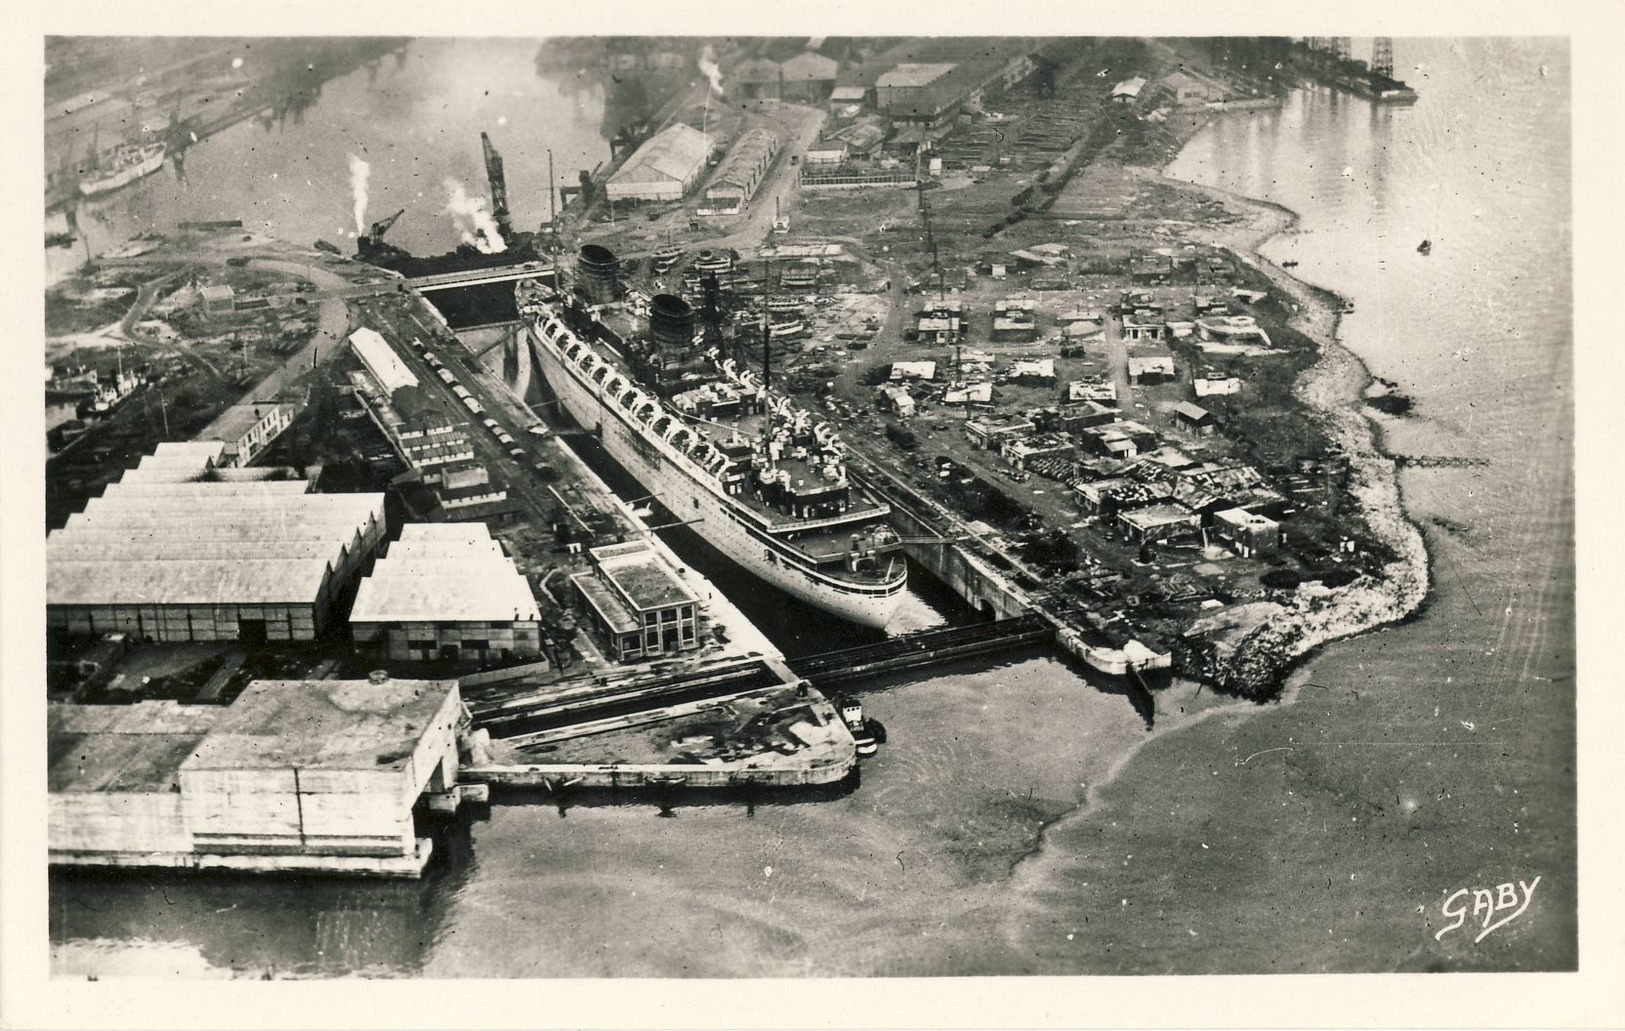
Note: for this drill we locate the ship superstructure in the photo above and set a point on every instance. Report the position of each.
(761, 480)
(129, 162)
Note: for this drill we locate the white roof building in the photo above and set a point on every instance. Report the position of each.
(664, 168)
(442, 573)
(381, 360)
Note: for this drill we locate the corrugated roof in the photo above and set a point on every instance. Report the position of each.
(756, 70)
(809, 67)
(214, 581)
(744, 160)
(444, 576)
(1190, 411)
(913, 75)
(677, 152)
(249, 488)
(204, 543)
(1129, 87)
(381, 360)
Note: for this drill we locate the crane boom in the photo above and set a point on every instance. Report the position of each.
(380, 227)
(499, 187)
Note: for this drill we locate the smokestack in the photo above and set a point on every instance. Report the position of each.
(596, 273)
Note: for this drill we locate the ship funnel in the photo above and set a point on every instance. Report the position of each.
(596, 273)
(671, 324)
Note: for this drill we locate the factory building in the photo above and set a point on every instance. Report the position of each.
(912, 92)
(381, 361)
(757, 79)
(249, 428)
(174, 558)
(293, 776)
(639, 607)
(736, 179)
(446, 591)
(807, 77)
(664, 168)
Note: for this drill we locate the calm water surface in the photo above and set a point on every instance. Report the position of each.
(1317, 835)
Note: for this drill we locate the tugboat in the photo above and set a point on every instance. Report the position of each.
(1425, 247)
(862, 735)
(1290, 263)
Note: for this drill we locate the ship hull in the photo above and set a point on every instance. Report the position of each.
(691, 501)
(96, 187)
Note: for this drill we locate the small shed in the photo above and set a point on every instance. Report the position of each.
(1194, 419)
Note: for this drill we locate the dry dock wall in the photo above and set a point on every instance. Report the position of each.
(972, 578)
(639, 776)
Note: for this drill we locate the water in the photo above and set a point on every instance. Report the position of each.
(1020, 820)
(415, 118)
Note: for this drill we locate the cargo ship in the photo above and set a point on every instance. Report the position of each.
(128, 163)
(763, 482)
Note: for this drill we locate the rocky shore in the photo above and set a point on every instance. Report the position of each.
(1334, 387)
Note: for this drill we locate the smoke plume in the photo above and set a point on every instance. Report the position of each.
(708, 65)
(359, 170)
(474, 223)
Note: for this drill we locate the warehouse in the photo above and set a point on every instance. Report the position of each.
(807, 77)
(909, 93)
(208, 561)
(318, 775)
(386, 367)
(741, 172)
(446, 591)
(639, 606)
(664, 168)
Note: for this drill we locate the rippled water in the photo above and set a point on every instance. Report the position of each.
(1318, 835)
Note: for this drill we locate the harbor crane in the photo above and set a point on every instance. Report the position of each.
(499, 188)
(382, 226)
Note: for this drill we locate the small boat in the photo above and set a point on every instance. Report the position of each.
(129, 163)
(1290, 263)
(1425, 247)
(862, 730)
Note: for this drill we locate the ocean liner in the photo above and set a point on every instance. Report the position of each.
(763, 482)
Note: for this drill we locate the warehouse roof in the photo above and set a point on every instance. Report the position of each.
(913, 75)
(809, 67)
(200, 581)
(381, 360)
(323, 724)
(134, 545)
(1129, 88)
(445, 576)
(746, 158)
(759, 69)
(848, 94)
(677, 152)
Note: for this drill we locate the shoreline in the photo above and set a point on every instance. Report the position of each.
(1313, 623)
(1334, 388)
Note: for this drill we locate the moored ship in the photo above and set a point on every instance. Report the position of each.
(763, 482)
(129, 163)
